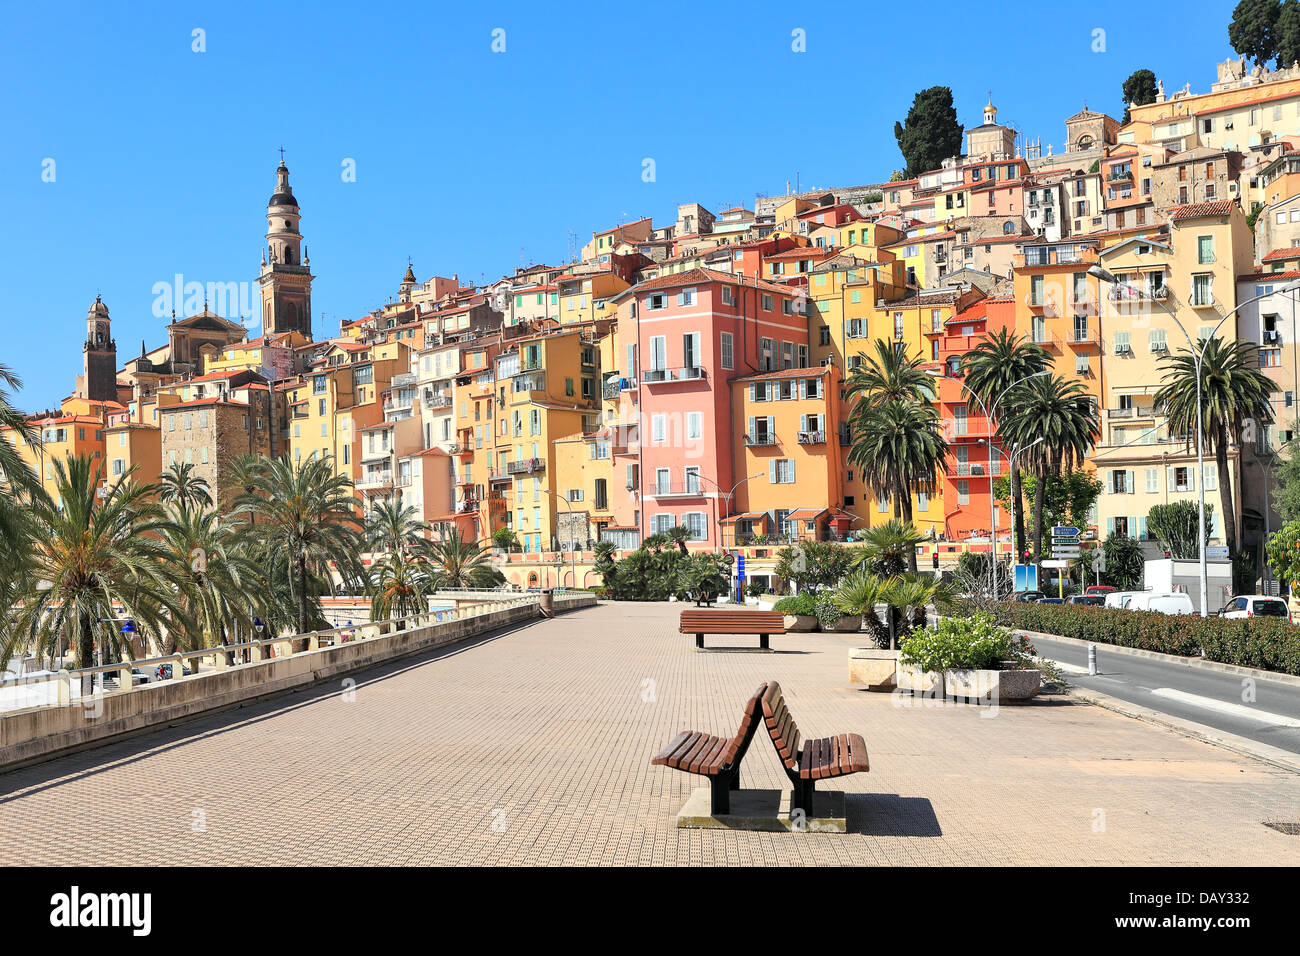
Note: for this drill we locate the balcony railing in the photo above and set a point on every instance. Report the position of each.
(664, 489)
(526, 466)
(690, 373)
(812, 438)
(765, 439)
(380, 479)
(658, 375)
(530, 383)
(437, 399)
(1083, 335)
(610, 390)
(1135, 411)
(975, 469)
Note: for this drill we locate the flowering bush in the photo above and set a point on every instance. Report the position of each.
(828, 612)
(962, 643)
(797, 604)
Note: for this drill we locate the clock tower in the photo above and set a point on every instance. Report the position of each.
(285, 279)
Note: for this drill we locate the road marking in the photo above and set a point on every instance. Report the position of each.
(1223, 707)
(1069, 668)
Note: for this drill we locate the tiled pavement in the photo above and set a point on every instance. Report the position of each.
(533, 746)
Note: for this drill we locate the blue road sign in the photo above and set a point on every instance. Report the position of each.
(1065, 531)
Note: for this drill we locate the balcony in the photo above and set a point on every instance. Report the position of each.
(530, 365)
(768, 438)
(375, 480)
(846, 437)
(812, 438)
(526, 466)
(1088, 335)
(1045, 339)
(690, 373)
(529, 383)
(975, 469)
(970, 427)
(1053, 255)
(653, 375)
(610, 390)
(1135, 411)
(675, 489)
(437, 400)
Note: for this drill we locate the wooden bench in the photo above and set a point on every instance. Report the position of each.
(815, 760)
(761, 623)
(717, 758)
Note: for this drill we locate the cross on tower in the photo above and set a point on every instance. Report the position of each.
(281, 155)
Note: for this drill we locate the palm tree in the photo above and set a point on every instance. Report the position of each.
(890, 376)
(307, 525)
(859, 594)
(1233, 392)
(239, 478)
(1064, 416)
(221, 583)
(393, 528)
(457, 563)
(990, 368)
(678, 535)
(94, 559)
(181, 485)
(19, 482)
(912, 594)
(400, 587)
(885, 547)
(899, 448)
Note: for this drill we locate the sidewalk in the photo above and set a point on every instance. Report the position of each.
(534, 747)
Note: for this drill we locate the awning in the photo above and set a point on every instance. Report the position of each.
(747, 516)
(806, 514)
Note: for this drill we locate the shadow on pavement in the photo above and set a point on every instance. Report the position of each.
(888, 814)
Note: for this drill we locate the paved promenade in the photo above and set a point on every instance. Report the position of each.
(533, 747)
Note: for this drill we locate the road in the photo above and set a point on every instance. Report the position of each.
(1217, 700)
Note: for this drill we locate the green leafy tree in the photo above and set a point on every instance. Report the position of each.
(1177, 525)
(889, 549)
(992, 367)
(456, 562)
(1286, 479)
(1286, 33)
(1234, 392)
(1068, 498)
(931, 133)
(813, 566)
(181, 485)
(392, 528)
(1251, 31)
(306, 525)
(400, 586)
(1139, 90)
(702, 576)
(1055, 422)
(1125, 564)
(506, 540)
(19, 484)
(890, 376)
(1283, 549)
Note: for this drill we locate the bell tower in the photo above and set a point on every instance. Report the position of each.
(285, 278)
(99, 356)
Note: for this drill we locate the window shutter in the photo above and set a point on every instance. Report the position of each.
(771, 425)
(792, 471)
(1191, 480)
(1172, 482)
(771, 471)
(753, 393)
(1107, 486)
(1142, 529)
(750, 432)
(1110, 527)
(803, 388)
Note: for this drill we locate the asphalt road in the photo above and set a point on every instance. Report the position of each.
(1207, 697)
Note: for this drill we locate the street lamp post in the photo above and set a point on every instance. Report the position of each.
(728, 495)
(1198, 356)
(1267, 471)
(572, 559)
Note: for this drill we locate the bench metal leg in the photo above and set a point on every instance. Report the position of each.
(699, 641)
(762, 642)
(802, 796)
(735, 779)
(719, 794)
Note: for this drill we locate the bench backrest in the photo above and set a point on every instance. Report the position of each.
(746, 619)
(748, 724)
(785, 734)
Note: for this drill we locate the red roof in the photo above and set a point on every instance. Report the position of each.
(1197, 210)
(1282, 254)
(806, 514)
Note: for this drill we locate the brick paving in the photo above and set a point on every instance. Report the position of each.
(533, 747)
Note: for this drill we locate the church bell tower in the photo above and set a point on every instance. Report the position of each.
(285, 278)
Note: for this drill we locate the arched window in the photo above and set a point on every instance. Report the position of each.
(1008, 228)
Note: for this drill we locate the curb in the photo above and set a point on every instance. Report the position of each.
(1273, 756)
(1235, 669)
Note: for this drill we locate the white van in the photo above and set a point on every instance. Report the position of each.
(1120, 598)
(1174, 602)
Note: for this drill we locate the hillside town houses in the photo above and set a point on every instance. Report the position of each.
(692, 372)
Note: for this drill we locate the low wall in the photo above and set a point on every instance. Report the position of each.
(39, 733)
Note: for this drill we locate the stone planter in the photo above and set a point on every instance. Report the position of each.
(876, 668)
(800, 622)
(844, 625)
(1007, 686)
(919, 681)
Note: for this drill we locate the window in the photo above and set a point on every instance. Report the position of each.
(1153, 480)
(1122, 343)
(1121, 482)
(728, 296)
(824, 335)
(655, 301)
(658, 352)
(1157, 340)
(1204, 249)
(691, 349)
(963, 491)
(696, 523)
(781, 471)
(726, 351)
(694, 424)
(1203, 289)
(658, 428)
(686, 297)
(767, 302)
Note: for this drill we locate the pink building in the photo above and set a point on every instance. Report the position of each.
(693, 333)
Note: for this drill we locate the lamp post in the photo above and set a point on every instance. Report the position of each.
(988, 417)
(1198, 356)
(258, 628)
(1267, 471)
(728, 496)
(1011, 466)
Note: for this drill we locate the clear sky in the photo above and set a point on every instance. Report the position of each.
(468, 160)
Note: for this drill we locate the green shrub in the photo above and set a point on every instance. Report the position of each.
(965, 643)
(828, 612)
(1266, 643)
(797, 604)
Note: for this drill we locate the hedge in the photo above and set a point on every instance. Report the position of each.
(1271, 644)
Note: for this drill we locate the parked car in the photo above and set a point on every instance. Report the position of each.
(1254, 605)
(1093, 600)
(1120, 598)
(1030, 597)
(1102, 589)
(1051, 600)
(1174, 602)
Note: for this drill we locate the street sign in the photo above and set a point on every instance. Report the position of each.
(740, 567)
(1217, 553)
(729, 558)
(1065, 531)
(1066, 552)
(1056, 564)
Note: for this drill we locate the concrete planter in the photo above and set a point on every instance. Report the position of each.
(844, 625)
(876, 668)
(919, 681)
(800, 622)
(988, 685)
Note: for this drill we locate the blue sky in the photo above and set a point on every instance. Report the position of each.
(470, 161)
